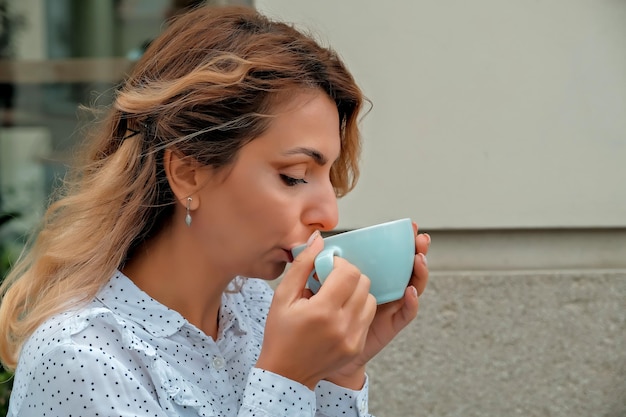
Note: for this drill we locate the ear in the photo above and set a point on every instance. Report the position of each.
(184, 176)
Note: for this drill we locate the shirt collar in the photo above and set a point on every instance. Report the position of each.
(233, 311)
(124, 298)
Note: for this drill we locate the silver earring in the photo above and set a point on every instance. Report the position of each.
(188, 216)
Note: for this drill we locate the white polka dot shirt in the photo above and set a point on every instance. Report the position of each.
(126, 354)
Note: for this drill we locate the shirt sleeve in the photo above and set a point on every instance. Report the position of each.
(269, 395)
(334, 401)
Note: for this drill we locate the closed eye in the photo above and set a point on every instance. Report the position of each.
(290, 181)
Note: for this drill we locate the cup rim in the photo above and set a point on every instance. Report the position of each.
(370, 227)
(373, 226)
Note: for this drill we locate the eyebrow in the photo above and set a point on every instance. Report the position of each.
(312, 153)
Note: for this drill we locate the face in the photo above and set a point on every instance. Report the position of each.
(276, 193)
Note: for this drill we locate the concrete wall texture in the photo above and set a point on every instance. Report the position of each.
(516, 343)
(512, 323)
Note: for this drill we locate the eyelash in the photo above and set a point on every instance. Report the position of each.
(290, 181)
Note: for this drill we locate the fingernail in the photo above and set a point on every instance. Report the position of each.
(414, 291)
(428, 236)
(312, 238)
(424, 260)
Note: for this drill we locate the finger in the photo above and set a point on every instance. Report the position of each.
(422, 243)
(371, 308)
(419, 279)
(408, 312)
(341, 283)
(293, 283)
(358, 298)
(363, 308)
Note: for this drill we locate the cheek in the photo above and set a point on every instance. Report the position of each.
(254, 207)
(265, 208)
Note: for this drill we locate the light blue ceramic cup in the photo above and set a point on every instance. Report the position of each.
(383, 252)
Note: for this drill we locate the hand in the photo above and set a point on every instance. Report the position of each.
(309, 336)
(390, 318)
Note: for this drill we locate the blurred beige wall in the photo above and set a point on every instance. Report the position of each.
(486, 114)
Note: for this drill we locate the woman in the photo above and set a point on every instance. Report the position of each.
(227, 146)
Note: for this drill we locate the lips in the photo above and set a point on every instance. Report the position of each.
(289, 255)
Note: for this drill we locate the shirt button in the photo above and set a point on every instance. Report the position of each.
(362, 407)
(218, 362)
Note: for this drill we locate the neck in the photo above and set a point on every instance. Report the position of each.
(172, 275)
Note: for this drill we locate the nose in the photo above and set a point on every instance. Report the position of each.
(322, 211)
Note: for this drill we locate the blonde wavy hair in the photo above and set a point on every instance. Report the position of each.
(206, 87)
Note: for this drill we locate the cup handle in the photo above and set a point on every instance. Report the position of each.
(324, 262)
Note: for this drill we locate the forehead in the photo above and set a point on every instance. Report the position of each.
(302, 125)
(304, 118)
(293, 99)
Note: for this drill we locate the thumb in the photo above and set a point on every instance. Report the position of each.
(295, 279)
